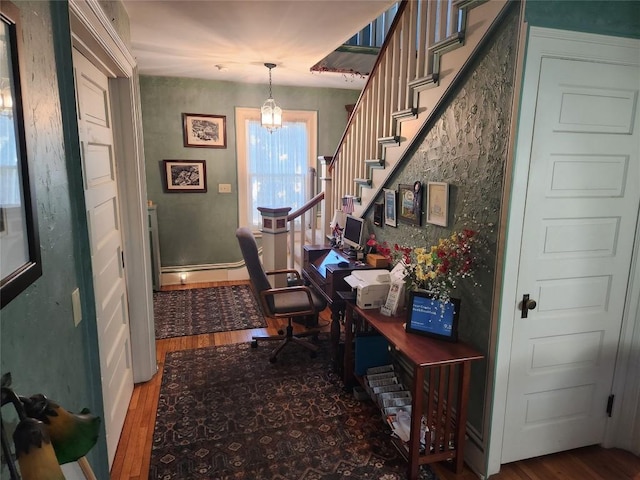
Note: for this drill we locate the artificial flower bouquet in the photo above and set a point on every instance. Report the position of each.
(437, 268)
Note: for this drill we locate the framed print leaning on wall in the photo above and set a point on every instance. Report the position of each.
(390, 208)
(438, 203)
(204, 131)
(184, 176)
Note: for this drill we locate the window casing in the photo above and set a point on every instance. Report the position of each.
(273, 168)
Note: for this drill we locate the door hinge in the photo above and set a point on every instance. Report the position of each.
(610, 404)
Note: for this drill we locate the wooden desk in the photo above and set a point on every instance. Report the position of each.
(445, 408)
(330, 284)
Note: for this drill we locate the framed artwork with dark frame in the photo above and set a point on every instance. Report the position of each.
(438, 203)
(184, 176)
(19, 239)
(204, 131)
(410, 203)
(390, 208)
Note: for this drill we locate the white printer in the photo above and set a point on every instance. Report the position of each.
(372, 287)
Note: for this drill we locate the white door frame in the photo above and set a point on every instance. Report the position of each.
(93, 34)
(544, 42)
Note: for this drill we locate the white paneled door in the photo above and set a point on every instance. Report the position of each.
(577, 244)
(105, 235)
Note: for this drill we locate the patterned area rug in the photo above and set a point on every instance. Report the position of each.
(205, 310)
(227, 413)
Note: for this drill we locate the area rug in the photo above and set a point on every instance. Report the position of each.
(195, 311)
(227, 413)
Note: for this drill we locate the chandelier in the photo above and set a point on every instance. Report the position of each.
(271, 114)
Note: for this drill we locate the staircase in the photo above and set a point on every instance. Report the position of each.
(427, 51)
(408, 87)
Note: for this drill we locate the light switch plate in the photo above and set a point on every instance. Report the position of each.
(224, 188)
(76, 306)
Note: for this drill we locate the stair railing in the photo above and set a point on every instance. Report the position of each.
(308, 216)
(404, 63)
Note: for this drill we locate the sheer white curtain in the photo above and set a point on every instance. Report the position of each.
(273, 167)
(276, 167)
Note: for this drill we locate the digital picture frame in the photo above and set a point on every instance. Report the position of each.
(432, 317)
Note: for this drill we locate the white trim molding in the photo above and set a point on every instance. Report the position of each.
(93, 34)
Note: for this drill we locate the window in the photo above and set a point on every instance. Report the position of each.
(273, 168)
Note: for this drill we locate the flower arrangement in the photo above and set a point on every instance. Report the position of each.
(436, 269)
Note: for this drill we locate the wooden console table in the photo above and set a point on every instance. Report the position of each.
(439, 362)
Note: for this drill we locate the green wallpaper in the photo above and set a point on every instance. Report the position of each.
(604, 17)
(199, 228)
(40, 345)
(466, 147)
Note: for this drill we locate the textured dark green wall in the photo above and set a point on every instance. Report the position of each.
(199, 228)
(40, 345)
(117, 15)
(604, 17)
(466, 147)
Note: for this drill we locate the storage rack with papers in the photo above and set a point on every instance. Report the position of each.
(445, 366)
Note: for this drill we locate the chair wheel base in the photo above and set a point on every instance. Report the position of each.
(254, 344)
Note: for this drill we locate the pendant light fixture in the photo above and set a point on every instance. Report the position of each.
(271, 114)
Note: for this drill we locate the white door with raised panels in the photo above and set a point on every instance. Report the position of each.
(105, 235)
(580, 219)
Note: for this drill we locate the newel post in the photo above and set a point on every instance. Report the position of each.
(274, 242)
(327, 209)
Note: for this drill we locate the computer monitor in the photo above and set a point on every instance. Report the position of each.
(353, 230)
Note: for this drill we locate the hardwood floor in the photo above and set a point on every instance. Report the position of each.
(134, 450)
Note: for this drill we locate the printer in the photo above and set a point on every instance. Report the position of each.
(372, 287)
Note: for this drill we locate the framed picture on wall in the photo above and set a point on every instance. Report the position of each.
(410, 203)
(390, 208)
(204, 131)
(438, 203)
(184, 176)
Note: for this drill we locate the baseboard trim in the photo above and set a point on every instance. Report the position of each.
(221, 272)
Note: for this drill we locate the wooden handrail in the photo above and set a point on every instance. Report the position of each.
(306, 207)
(301, 213)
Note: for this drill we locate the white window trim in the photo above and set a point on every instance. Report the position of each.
(243, 114)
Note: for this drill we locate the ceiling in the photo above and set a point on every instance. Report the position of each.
(232, 40)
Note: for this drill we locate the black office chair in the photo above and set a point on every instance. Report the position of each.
(291, 302)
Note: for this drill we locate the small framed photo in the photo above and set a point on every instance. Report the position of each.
(438, 203)
(390, 209)
(410, 203)
(378, 214)
(204, 131)
(432, 317)
(184, 176)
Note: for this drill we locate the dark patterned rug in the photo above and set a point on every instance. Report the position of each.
(227, 413)
(205, 310)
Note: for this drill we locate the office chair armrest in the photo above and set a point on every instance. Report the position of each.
(283, 271)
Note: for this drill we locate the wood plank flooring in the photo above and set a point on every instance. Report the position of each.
(134, 450)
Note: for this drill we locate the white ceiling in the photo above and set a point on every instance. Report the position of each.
(233, 39)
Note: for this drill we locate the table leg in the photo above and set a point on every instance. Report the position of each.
(347, 375)
(335, 336)
(416, 419)
(463, 396)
